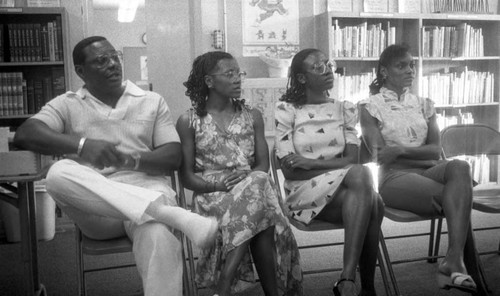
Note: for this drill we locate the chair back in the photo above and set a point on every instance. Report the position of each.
(275, 166)
(470, 139)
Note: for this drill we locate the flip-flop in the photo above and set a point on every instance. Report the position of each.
(456, 281)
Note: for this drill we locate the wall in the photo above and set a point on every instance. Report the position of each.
(171, 49)
(181, 31)
(105, 24)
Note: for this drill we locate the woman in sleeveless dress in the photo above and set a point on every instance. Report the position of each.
(226, 163)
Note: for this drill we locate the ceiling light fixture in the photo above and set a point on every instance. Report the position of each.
(126, 10)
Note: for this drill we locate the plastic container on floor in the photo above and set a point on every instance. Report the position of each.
(45, 216)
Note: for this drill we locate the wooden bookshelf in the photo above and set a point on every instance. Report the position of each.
(33, 60)
(483, 64)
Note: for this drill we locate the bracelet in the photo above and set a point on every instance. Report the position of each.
(80, 146)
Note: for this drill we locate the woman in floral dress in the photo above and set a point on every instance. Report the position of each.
(317, 146)
(226, 163)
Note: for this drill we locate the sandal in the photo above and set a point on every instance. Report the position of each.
(336, 291)
(456, 281)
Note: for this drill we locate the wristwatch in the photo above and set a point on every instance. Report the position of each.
(137, 160)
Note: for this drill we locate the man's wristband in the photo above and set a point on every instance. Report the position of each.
(80, 146)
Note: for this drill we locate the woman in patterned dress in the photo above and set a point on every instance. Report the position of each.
(401, 130)
(226, 164)
(317, 146)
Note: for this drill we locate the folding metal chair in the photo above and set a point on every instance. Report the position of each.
(402, 216)
(318, 225)
(475, 140)
(91, 247)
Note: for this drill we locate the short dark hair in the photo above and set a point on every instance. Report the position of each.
(78, 55)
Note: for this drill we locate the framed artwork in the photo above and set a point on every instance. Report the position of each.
(270, 22)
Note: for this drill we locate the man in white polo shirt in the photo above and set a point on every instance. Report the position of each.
(119, 141)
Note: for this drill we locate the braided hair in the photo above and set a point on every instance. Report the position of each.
(389, 54)
(196, 88)
(296, 91)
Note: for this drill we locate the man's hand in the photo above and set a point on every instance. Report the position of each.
(102, 154)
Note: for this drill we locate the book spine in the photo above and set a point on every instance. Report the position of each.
(2, 44)
(45, 43)
(59, 35)
(10, 94)
(37, 28)
(52, 53)
(58, 81)
(38, 93)
(25, 97)
(2, 93)
(18, 101)
(30, 92)
(47, 89)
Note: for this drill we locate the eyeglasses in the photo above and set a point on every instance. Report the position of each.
(321, 68)
(231, 74)
(105, 59)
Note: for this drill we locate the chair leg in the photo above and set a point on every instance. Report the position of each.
(387, 259)
(383, 272)
(431, 240)
(438, 240)
(82, 290)
(193, 290)
(474, 265)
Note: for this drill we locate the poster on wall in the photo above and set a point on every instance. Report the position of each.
(267, 23)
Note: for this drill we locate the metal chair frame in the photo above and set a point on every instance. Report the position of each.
(472, 140)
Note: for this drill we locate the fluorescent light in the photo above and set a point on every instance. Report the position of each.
(126, 10)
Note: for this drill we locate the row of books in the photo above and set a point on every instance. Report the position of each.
(363, 40)
(2, 44)
(480, 167)
(458, 88)
(444, 120)
(21, 95)
(31, 42)
(475, 6)
(452, 41)
(353, 88)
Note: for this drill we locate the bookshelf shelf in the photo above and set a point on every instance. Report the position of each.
(468, 105)
(33, 60)
(461, 59)
(16, 64)
(25, 116)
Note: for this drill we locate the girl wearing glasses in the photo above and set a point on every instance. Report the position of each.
(226, 164)
(317, 145)
(401, 132)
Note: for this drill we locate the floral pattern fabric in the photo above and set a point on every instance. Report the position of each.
(403, 121)
(249, 208)
(315, 131)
